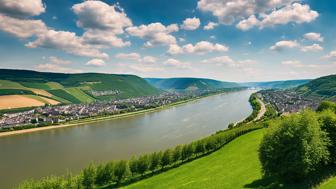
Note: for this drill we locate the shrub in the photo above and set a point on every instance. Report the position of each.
(327, 105)
(293, 147)
(89, 175)
(328, 124)
(120, 170)
(155, 160)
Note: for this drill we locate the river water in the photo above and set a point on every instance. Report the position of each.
(54, 152)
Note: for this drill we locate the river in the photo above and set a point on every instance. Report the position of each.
(53, 152)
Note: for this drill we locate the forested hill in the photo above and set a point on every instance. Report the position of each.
(190, 84)
(277, 84)
(90, 86)
(323, 86)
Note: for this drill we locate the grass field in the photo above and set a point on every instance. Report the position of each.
(80, 95)
(64, 95)
(236, 166)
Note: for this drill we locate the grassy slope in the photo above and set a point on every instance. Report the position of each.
(324, 86)
(226, 168)
(80, 95)
(236, 166)
(188, 83)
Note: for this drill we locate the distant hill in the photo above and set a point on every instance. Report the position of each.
(324, 87)
(73, 88)
(277, 84)
(190, 84)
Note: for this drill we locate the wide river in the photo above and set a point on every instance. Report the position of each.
(50, 152)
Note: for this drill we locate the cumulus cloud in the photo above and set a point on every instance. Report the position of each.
(96, 62)
(191, 23)
(177, 63)
(149, 59)
(210, 26)
(66, 41)
(313, 37)
(229, 11)
(248, 23)
(281, 45)
(22, 28)
(16, 8)
(199, 48)
(312, 48)
(228, 61)
(293, 13)
(155, 33)
(99, 15)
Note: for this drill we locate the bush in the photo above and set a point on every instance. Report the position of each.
(328, 124)
(327, 105)
(89, 176)
(294, 147)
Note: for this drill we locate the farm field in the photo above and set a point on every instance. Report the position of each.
(21, 101)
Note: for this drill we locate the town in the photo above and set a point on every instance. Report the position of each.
(288, 101)
(54, 115)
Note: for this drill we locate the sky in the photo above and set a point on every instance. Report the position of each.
(229, 40)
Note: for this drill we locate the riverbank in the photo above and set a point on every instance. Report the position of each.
(104, 118)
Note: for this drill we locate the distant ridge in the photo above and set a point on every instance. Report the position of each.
(190, 84)
(323, 86)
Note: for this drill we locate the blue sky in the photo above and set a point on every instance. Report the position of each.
(232, 40)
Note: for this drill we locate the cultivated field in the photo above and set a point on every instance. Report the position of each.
(21, 101)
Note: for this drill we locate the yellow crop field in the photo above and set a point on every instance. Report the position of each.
(21, 101)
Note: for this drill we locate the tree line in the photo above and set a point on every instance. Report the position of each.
(115, 173)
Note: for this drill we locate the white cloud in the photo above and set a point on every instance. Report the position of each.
(312, 48)
(228, 61)
(128, 56)
(59, 61)
(99, 15)
(21, 8)
(96, 62)
(210, 26)
(103, 39)
(199, 48)
(248, 23)
(145, 68)
(331, 55)
(155, 33)
(56, 68)
(191, 23)
(177, 63)
(295, 13)
(313, 37)
(229, 11)
(66, 41)
(22, 28)
(281, 45)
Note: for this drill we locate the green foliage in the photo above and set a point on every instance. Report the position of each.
(120, 170)
(255, 106)
(143, 164)
(176, 154)
(104, 174)
(327, 105)
(328, 124)
(133, 165)
(324, 86)
(166, 158)
(89, 175)
(294, 147)
(155, 160)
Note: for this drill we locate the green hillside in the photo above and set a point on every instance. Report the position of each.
(190, 84)
(76, 88)
(324, 86)
(277, 84)
(233, 166)
(236, 165)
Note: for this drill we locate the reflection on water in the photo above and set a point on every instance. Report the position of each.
(49, 152)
